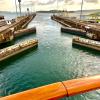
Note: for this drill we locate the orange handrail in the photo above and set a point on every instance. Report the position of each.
(58, 90)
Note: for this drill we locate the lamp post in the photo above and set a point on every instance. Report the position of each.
(28, 11)
(81, 10)
(19, 6)
(16, 8)
(32, 6)
(57, 6)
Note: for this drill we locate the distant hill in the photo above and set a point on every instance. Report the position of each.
(54, 11)
(95, 10)
(6, 12)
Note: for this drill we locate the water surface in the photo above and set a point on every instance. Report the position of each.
(54, 60)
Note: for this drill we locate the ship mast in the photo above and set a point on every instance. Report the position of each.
(81, 10)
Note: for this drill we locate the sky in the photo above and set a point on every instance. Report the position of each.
(35, 5)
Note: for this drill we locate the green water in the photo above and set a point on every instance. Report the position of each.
(54, 60)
